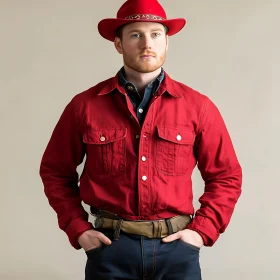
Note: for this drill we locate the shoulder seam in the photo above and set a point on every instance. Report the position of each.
(203, 116)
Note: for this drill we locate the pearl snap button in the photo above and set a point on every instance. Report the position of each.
(144, 178)
(179, 137)
(102, 138)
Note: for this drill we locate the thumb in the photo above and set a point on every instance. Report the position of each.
(172, 237)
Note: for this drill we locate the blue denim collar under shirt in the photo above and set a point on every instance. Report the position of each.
(140, 104)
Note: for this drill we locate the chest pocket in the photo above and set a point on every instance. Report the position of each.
(106, 150)
(173, 150)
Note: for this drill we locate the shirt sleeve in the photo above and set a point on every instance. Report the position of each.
(64, 152)
(221, 172)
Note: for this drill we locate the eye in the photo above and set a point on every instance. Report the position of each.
(135, 35)
(156, 34)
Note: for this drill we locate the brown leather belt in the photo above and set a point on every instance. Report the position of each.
(151, 229)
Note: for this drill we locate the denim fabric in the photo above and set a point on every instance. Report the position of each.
(135, 98)
(135, 257)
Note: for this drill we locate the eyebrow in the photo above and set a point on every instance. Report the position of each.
(140, 31)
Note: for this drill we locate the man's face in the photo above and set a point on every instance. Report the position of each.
(143, 46)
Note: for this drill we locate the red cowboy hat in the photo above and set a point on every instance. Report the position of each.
(139, 11)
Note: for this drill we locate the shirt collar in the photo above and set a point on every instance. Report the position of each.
(167, 85)
(123, 81)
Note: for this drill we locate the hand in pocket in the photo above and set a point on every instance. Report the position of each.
(92, 239)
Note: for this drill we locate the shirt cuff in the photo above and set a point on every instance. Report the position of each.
(205, 228)
(75, 229)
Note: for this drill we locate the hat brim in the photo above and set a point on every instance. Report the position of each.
(109, 26)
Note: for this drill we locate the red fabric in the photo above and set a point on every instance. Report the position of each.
(139, 11)
(182, 128)
(132, 7)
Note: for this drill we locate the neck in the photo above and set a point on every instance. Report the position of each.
(140, 80)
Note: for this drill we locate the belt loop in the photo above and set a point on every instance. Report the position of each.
(160, 229)
(98, 222)
(169, 226)
(157, 229)
(118, 229)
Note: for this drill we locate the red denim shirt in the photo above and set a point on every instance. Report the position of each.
(141, 173)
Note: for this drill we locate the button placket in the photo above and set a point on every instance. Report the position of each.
(144, 173)
(145, 191)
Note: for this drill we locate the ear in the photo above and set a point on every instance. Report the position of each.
(118, 45)
(167, 42)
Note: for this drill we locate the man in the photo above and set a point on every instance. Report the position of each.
(142, 133)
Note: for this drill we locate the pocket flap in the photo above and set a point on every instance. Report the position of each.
(104, 136)
(176, 135)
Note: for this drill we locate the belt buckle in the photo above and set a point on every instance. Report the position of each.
(98, 222)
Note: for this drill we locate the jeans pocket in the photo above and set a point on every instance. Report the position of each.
(191, 246)
(92, 252)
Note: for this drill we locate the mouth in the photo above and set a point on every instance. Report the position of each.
(146, 55)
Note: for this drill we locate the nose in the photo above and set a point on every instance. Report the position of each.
(146, 42)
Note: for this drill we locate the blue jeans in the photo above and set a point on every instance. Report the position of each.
(135, 257)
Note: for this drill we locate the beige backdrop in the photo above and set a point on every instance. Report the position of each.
(51, 50)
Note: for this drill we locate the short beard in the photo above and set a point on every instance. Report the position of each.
(144, 68)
